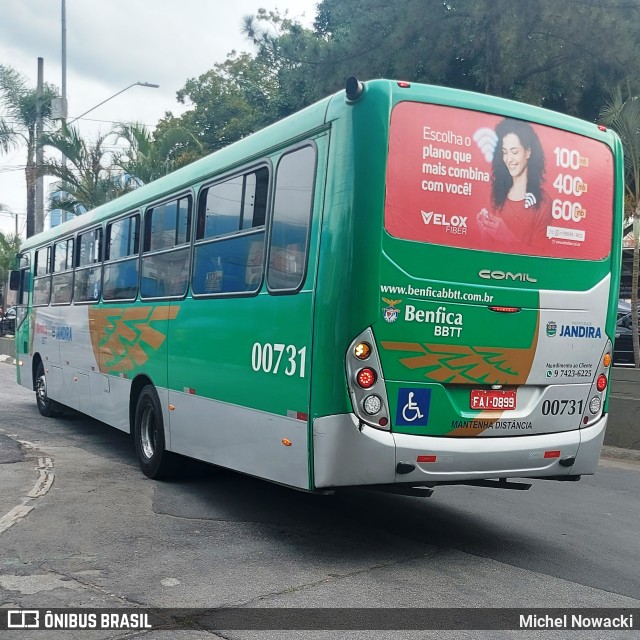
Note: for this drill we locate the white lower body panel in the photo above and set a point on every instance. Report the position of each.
(261, 444)
(345, 455)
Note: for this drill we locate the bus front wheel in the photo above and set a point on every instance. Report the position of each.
(47, 407)
(155, 461)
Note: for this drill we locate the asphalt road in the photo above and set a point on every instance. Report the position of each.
(81, 526)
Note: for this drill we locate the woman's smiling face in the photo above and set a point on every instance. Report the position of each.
(514, 155)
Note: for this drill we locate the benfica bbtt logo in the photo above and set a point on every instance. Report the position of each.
(390, 313)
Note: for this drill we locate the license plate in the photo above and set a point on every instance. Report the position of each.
(492, 399)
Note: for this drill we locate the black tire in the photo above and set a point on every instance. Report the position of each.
(155, 461)
(47, 407)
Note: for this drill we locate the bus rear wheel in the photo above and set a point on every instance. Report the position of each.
(47, 407)
(155, 461)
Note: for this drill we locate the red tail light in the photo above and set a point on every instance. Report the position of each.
(601, 384)
(366, 378)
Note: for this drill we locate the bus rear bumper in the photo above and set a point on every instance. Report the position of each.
(346, 455)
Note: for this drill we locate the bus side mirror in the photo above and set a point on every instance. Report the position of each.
(14, 281)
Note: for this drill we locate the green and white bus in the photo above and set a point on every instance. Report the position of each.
(398, 287)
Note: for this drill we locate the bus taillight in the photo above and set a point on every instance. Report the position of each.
(606, 361)
(367, 387)
(372, 404)
(594, 407)
(601, 384)
(362, 350)
(366, 378)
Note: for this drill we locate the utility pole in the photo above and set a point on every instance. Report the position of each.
(63, 121)
(39, 213)
(7, 209)
(64, 63)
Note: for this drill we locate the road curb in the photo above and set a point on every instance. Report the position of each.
(620, 454)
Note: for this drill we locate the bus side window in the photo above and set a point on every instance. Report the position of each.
(120, 276)
(24, 279)
(165, 254)
(291, 220)
(88, 269)
(62, 279)
(229, 251)
(42, 277)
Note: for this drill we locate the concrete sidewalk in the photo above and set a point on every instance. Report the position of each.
(7, 349)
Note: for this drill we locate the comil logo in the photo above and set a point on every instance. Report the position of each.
(488, 274)
(453, 224)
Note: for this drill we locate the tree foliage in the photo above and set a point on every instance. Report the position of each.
(18, 126)
(228, 102)
(562, 55)
(88, 177)
(151, 155)
(623, 115)
(9, 247)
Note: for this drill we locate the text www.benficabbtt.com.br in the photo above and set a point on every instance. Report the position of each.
(440, 293)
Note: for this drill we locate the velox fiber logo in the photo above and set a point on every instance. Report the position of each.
(453, 224)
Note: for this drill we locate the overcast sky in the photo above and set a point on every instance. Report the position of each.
(112, 44)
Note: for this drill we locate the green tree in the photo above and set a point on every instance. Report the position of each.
(9, 246)
(230, 101)
(562, 55)
(152, 155)
(18, 126)
(623, 115)
(559, 55)
(295, 58)
(88, 178)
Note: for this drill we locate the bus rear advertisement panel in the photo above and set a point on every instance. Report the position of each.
(450, 174)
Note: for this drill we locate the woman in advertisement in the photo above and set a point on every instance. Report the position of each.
(521, 208)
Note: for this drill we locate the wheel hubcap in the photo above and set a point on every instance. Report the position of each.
(41, 389)
(148, 432)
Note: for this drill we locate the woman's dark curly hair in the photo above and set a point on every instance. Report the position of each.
(502, 180)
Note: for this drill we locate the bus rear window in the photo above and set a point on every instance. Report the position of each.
(475, 180)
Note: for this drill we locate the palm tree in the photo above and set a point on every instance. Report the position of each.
(18, 126)
(153, 155)
(623, 115)
(9, 247)
(88, 178)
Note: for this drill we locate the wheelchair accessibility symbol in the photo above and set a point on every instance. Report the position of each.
(413, 407)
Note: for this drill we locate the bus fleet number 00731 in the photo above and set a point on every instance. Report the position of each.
(279, 358)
